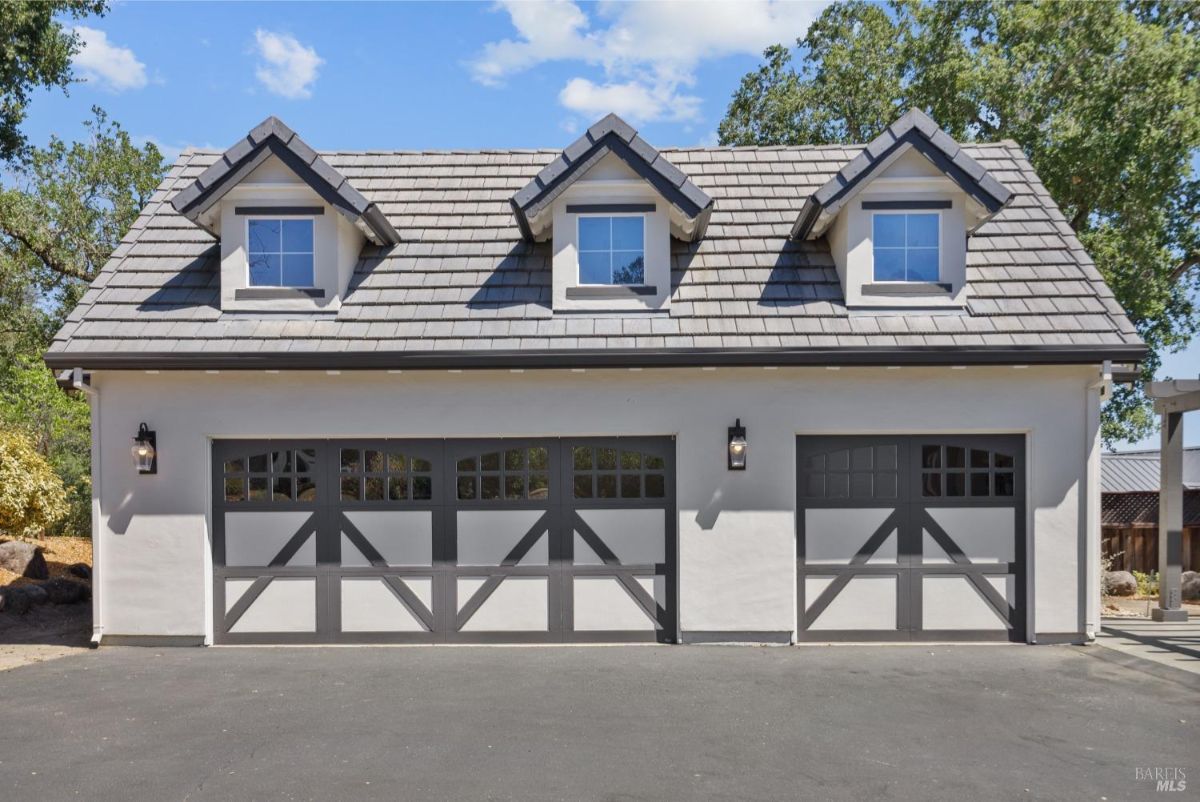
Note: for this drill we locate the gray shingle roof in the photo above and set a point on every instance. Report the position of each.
(918, 130)
(610, 135)
(463, 284)
(272, 137)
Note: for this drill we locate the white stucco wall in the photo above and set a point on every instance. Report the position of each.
(736, 529)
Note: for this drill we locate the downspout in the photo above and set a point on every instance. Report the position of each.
(1091, 582)
(74, 380)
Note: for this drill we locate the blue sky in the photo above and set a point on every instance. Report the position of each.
(423, 75)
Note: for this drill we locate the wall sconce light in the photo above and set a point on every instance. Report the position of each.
(737, 446)
(145, 455)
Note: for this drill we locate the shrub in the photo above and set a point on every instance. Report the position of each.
(32, 497)
(1147, 582)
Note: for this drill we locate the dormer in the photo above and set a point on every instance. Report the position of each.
(898, 217)
(291, 227)
(609, 205)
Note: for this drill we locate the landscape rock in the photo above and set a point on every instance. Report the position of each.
(18, 600)
(23, 558)
(1191, 586)
(1120, 583)
(64, 591)
(81, 570)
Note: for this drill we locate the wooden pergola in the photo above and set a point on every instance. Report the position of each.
(1171, 400)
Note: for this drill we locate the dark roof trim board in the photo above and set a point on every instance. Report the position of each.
(611, 135)
(269, 138)
(624, 358)
(916, 130)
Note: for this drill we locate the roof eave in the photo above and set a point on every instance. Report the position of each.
(930, 356)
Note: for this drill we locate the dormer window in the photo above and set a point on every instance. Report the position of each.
(906, 246)
(612, 250)
(280, 252)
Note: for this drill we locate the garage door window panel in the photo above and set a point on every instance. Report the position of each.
(272, 476)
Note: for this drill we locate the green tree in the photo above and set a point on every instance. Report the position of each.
(59, 221)
(35, 51)
(67, 210)
(31, 495)
(55, 425)
(1104, 97)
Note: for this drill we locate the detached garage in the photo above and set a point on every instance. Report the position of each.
(607, 393)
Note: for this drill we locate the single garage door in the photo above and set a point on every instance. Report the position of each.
(351, 541)
(911, 538)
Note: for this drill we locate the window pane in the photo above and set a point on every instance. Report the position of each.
(979, 458)
(979, 484)
(258, 488)
(375, 490)
(514, 487)
(235, 465)
(351, 460)
(628, 267)
(1004, 484)
(298, 236)
(889, 231)
(582, 457)
(631, 486)
(422, 465)
(349, 488)
(1004, 460)
(956, 484)
(922, 264)
(263, 236)
(655, 462)
(607, 459)
(607, 485)
(583, 486)
(235, 490)
(627, 233)
(931, 484)
(422, 487)
(297, 270)
(631, 460)
(490, 462)
(931, 456)
(306, 488)
(889, 264)
(595, 268)
(954, 456)
(375, 461)
(306, 459)
(396, 463)
(489, 488)
(466, 487)
(922, 231)
(259, 463)
(398, 488)
(539, 485)
(282, 490)
(594, 233)
(265, 270)
(539, 459)
(514, 459)
(656, 486)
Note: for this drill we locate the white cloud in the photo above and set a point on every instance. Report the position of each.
(632, 100)
(107, 65)
(649, 52)
(287, 68)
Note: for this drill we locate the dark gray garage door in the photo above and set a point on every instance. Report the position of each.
(336, 541)
(912, 537)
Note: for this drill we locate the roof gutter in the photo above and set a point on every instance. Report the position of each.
(623, 358)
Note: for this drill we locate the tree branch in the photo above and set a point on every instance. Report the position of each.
(48, 258)
(1183, 267)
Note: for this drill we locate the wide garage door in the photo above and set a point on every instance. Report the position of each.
(343, 541)
(911, 538)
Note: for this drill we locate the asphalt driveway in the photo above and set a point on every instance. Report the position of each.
(850, 722)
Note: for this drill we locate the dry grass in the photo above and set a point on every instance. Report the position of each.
(60, 553)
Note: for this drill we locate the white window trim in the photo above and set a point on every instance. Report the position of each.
(246, 239)
(941, 246)
(578, 250)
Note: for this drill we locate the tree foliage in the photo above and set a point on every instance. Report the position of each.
(32, 497)
(1104, 97)
(60, 220)
(35, 50)
(57, 426)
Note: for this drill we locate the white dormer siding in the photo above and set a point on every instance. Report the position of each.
(611, 189)
(336, 242)
(910, 185)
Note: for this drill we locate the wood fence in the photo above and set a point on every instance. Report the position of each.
(1136, 547)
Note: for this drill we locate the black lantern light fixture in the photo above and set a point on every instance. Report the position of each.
(737, 446)
(145, 455)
